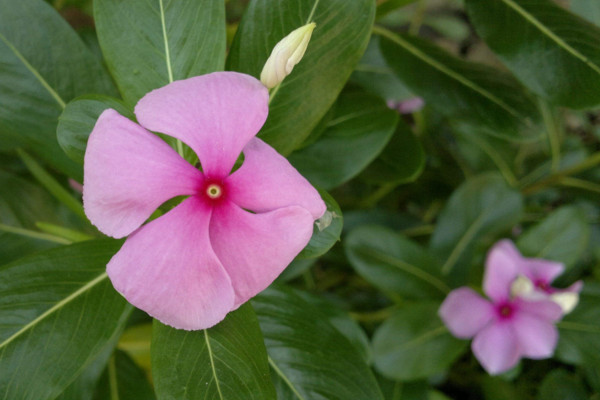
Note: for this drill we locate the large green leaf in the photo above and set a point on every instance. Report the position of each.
(43, 65)
(338, 42)
(562, 385)
(225, 362)
(555, 53)
(123, 380)
(361, 126)
(148, 44)
(480, 206)
(414, 343)
(587, 9)
(310, 359)
(461, 89)
(58, 312)
(395, 264)
(562, 236)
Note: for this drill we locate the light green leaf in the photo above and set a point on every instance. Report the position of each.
(148, 44)
(337, 43)
(59, 312)
(225, 362)
(552, 51)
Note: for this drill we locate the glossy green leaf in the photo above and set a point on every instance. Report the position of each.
(579, 341)
(310, 359)
(402, 160)
(78, 119)
(461, 89)
(225, 362)
(43, 65)
(414, 343)
(361, 126)
(562, 236)
(396, 390)
(562, 385)
(387, 6)
(337, 43)
(552, 51)
(327, 230)
(482, 205)
(59, 311)
(394, 264)
(123, 380)
(148, 44)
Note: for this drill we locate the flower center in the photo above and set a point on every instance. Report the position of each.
(214, 191)
(544, 286)
(505, 310)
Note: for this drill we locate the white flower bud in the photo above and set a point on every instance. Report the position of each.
(566, 300)
(522, 287)
(285, 55)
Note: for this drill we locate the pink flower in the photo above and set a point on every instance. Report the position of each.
(233, 234)
(506, 328)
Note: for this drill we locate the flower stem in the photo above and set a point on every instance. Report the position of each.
(33, 234)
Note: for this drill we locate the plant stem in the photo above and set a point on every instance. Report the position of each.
(553, 131)
(580, 184)
(371, 200)
(417, 19)
(33, 234)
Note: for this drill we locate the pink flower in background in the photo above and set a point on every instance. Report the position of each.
(505, 328)
(233, 234)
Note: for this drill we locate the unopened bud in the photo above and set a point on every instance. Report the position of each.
(521, 287)
(285, 55)
(566, 300)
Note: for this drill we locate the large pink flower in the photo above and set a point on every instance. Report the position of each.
(233, 234)
(506, 328)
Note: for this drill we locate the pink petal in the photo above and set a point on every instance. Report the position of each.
(256, 248)
(501, 269)
(168, 269)
(537, 338)
(496, 347)
(267, 181)
(542, 309)
(128, 173)
(539, 270)
(215, 114)
(465, 313)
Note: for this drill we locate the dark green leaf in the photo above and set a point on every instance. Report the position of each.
(123, 380)
(225, 362)
(337, 43)
(402, 160)
(394, 264)
(562, 236)
(327, 230)
(310, 359)
(43, 65)
(555, 53)
(461, 89)
(414, 343)
(59, 312)
(482, 205)
(361, 126)
(396, 390)
(562, 385)
(387, 6)
(148, 44)
(84, 386)
(295, 269)
(78, 119)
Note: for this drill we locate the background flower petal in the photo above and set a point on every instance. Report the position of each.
(267, 181)
(537, 337)
(256, 248)
(496, 347)
(539, 270)
(168, 269)
(543, 309)
(128, 173)
(215, 114)
(465, 313)
(501, 269)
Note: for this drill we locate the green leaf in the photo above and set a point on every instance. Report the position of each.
(461, 89)
(310, 359)
(562, 236)
(552, 51)
(402, 160)
(394, 264)
(361, 126)
(59, 312)
(387, 6)
(589, 10)
(225, 362)
(337, 43)
(327, 230)
(579, 341)
(562, 385)
(414, 344)
(482, 205)
(123, 380)
(43, 65)
(78, 119)
(148, 44)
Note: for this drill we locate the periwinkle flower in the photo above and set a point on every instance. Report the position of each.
(233, 234)
(505, 328)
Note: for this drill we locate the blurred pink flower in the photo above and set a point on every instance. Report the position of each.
(506, 328)
(407, 106)
(208, 255)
